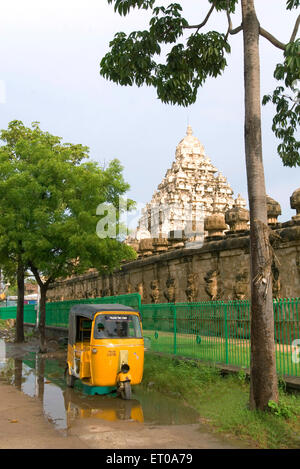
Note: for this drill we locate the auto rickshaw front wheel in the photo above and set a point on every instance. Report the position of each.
(125, 390)
(70, 379)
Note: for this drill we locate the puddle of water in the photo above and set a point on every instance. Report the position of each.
(2, 349)
(44, 378)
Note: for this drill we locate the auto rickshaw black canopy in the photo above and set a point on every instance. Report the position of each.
(89, 311)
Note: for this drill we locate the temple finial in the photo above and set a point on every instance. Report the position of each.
(189, 130)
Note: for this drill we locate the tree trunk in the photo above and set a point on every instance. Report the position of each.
(263, 377)
(42, 323)
(43, 298)
(20, 303)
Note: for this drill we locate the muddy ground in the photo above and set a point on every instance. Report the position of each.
(23, 424)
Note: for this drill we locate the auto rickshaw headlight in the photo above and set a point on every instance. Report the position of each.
(125, 368)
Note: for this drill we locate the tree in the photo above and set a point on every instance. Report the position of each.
(51, 193)
(12, 196)
(134, 59)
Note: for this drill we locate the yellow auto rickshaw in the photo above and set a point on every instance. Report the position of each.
(105, 348)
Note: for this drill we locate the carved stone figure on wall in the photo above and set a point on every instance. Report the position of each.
(105, 292)
(154, 294)
(80, 292)
(140, 289)
(170, 293)
(298, 262)
(276, 284)
(191, 290)
(241, 285)
(211, 287)
(70, 291)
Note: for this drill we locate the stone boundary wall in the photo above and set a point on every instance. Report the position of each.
(219, 270)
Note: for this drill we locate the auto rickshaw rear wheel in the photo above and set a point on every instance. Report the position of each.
(126, 390)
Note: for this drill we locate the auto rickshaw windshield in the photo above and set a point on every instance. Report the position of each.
(117, 326)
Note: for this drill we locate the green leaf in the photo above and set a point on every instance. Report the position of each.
(290, 4)
(123, 6)
(223, 5)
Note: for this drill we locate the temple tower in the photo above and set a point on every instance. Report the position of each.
(187, 194)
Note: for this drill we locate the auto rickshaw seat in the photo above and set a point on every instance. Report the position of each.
(83, 329)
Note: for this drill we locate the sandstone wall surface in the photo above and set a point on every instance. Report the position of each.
(219, 270)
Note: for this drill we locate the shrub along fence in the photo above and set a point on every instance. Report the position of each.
(217, 331)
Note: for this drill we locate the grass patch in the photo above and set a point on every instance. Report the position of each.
(215, 349)
(3, 324)
(223, 401)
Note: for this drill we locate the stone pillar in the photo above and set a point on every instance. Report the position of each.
(160, 245)
(215, 224)
(238, 216)
(273, 210)
(295, 204)
(132, 242)
(146, 247)
(176, 241)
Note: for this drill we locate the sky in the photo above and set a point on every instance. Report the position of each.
(49, 72)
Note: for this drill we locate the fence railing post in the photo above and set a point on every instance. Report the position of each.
(37, 319)
(175, 328)
(140, 304)
(226, 333)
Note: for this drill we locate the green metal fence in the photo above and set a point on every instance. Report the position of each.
(216, 332)
(10, 312)
(57, 313)
(219, 331)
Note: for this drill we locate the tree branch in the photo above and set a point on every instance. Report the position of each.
(271, 38)
(295, 30)
(236, 30)
(230, 30)
(38, 278)
(198, 26)
(228, 19)
(35, 272)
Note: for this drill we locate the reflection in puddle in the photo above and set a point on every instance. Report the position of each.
(44, 378)
(107, 408)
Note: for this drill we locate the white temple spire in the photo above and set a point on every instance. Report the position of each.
(189, 184)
